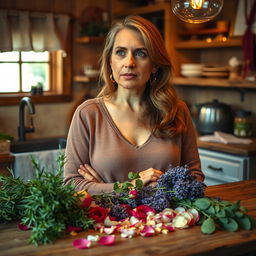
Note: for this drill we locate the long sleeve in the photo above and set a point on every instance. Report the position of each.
(78, 152)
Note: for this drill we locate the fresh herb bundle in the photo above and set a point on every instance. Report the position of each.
(44, 204)
(11, 193)
(217, 213)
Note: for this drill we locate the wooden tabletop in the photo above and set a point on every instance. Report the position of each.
(237, 149)
(13, 242)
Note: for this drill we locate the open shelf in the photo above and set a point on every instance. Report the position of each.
(213, 82)
(84, 79)
(208, 31)
(193, 44)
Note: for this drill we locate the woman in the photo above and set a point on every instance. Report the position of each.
(136, 123)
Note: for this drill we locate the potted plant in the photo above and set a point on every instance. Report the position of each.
(5, 143)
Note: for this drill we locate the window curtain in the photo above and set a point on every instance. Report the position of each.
(31, 31)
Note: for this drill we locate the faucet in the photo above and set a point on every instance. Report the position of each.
(22, 129)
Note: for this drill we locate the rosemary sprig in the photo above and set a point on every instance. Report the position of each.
(44, 204)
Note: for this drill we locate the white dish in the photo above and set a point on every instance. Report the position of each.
(191, 73)
(192, 66)
(92, 72)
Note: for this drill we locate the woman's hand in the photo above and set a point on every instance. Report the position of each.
(150, 176)
(89, 173)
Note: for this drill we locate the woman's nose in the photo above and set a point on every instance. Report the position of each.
(130, 61)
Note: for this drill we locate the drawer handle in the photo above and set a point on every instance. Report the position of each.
(214, 168)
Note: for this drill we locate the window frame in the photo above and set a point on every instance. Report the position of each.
(60, 83)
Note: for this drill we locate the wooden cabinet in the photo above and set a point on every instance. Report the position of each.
(222, 168)
(187, 47)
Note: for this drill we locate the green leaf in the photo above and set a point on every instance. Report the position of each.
(117, 186)
(208, 226)
(231, 225)
(139, 184)
(210, 210)
(229, 211)
(223, 220)
(239, 214)
(217, 208)
(133, 175)
(244, 223)
(225, 203)
(221, 213)
(235, 206)
(202, 203)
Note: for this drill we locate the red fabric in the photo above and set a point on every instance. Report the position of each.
(248, 41)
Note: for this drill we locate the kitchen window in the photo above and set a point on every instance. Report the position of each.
(20, 71)
(23, 71)
(35, 52)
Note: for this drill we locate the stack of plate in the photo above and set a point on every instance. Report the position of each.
(191, 69)
(215, 71)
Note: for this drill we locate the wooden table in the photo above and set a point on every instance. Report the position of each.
(181, 242)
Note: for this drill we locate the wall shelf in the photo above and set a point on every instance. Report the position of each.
(84, 79)
(213, 82)
(196, 44)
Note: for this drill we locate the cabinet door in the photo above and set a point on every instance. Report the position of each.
(222, 168)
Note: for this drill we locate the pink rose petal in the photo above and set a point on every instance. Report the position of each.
(82, 243)
(72, 228)
(195, 213)
(170, 228)
(180, 222)
(179, 209)
(107, 240)
(147, 231)
(23, 227)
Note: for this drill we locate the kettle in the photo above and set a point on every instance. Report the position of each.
(214, 116)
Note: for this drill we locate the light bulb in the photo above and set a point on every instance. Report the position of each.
(196, 11)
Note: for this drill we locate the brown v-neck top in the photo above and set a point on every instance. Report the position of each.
(94, 139)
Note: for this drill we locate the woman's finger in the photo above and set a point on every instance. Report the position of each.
(86, 175)
(150, 175)
(93, 172)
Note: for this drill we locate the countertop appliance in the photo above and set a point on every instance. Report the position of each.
(214, 116)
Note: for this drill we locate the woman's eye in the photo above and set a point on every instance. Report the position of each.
(120, 52)
(141, 54)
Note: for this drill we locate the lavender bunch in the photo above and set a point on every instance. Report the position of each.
(178, 183)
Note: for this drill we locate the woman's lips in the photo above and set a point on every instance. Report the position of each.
(128, 76)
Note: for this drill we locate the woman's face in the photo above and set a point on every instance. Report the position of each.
(130, 63)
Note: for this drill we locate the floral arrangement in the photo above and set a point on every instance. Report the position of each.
(176, 202)
(50, 209)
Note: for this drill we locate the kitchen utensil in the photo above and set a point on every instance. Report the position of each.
(214, 116)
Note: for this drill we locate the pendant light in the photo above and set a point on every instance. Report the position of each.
(196, 11)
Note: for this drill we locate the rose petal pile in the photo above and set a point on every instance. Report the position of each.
(145, 222)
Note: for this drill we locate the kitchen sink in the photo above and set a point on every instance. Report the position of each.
(38, 145)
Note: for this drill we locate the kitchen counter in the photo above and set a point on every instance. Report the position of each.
(237, 149)
(13, 242)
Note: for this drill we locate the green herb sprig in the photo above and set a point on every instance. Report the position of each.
(44, 204)
(221, 214)
(127, 185)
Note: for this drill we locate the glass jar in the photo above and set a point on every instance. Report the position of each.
(243, 124)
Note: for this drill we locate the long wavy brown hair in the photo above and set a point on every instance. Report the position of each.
(160, 99)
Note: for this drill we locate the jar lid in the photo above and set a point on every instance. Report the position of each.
(243, 113)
